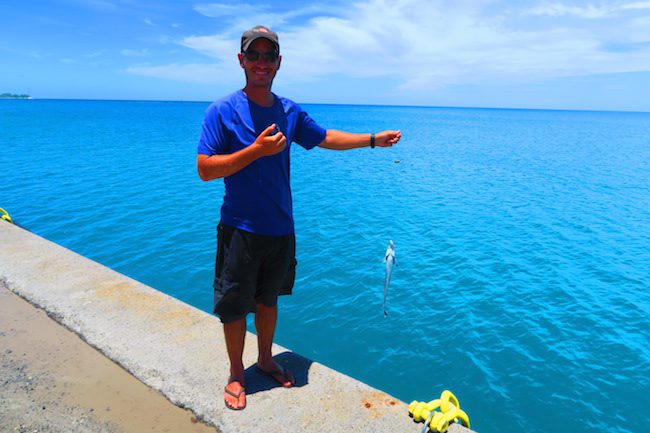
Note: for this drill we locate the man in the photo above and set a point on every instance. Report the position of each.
(245, 139)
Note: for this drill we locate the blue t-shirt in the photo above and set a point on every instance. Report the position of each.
(257, 198)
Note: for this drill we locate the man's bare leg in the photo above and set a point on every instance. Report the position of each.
(265, 320)
(235, 332)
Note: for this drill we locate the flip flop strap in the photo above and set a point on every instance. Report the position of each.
(229, 392)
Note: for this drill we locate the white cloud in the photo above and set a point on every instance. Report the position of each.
(425, 44)
(218, 10)
(636, 6)
(234, 19)
(559, 9)
(433, 43)
(215, 46)
(589, 11)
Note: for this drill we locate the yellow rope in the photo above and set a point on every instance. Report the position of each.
(439, 421)
(5, 216)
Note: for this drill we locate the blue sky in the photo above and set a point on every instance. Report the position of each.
(482, 53)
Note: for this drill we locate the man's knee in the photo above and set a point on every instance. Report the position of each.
(265, 309)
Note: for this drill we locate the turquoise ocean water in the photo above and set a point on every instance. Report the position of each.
(522, 240)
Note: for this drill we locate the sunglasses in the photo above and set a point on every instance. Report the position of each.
(254, 56)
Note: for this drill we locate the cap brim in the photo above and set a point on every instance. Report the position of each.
(249, 43)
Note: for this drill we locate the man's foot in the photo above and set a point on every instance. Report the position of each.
(235, 395)
(281, 375)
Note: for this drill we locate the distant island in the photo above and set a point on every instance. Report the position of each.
(12, 96)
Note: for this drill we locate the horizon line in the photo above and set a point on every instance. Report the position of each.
(32, 98)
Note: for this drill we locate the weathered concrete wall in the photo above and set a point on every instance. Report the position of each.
(179, 350)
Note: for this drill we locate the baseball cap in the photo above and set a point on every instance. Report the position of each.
(257, 32)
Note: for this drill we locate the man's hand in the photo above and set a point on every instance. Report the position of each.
(387, 138)
(218, 166)
(268, 143)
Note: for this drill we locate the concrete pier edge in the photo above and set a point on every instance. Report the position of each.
(179, 350)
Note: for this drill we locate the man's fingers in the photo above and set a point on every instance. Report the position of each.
(388, 138)
(269, 130)
(394, 137)
(272, 142)
(277, 139)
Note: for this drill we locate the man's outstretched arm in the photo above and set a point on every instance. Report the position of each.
(341, 140)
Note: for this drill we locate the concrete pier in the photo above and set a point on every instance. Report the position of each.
(179, 350)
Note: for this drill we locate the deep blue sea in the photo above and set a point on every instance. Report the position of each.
(522, 238)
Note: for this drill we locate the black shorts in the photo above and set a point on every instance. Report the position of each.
(251, 269)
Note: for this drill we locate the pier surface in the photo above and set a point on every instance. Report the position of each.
(175, 349)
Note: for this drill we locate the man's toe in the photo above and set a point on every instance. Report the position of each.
(234, 396)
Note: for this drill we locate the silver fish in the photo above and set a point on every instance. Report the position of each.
(390, 262)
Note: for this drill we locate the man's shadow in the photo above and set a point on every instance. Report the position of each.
(256, 381)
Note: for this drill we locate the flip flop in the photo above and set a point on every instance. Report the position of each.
(280, 371)
(236, 395)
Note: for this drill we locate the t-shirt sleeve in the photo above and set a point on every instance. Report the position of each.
(308, 133)
(212, 140)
